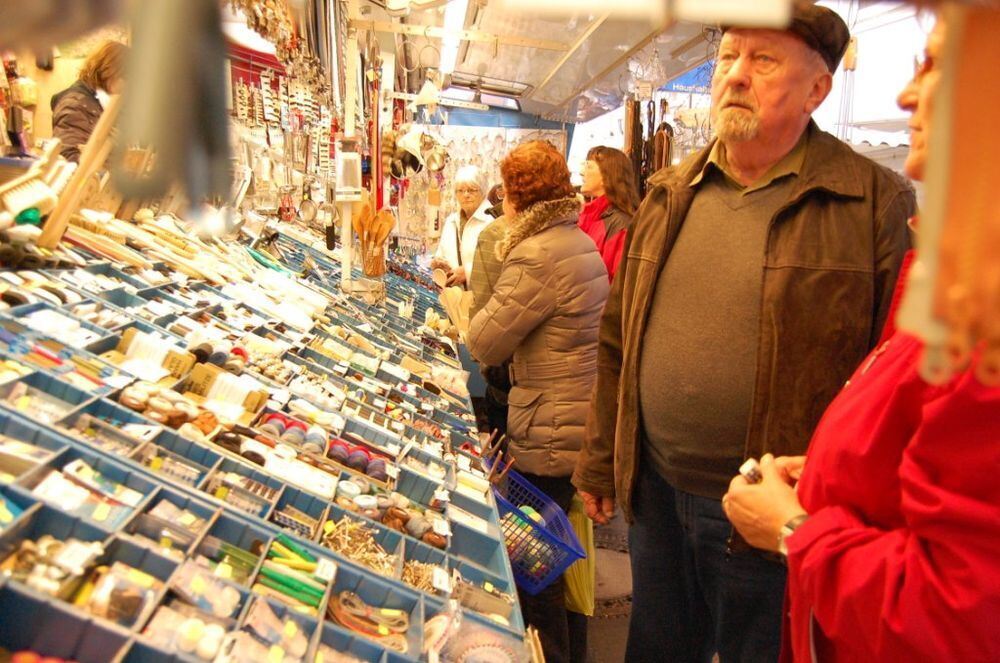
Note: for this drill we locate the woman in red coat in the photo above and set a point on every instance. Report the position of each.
(892, 533)
(609, 180)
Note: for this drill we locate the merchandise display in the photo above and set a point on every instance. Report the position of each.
(231, 481)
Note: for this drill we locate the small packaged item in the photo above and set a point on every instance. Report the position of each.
(76, 499)
(51, 566)
(121, 594)
(275, 632)
(226, 561)
(197, 586)
(37, 404)
(80, 471)
(170, 512)
(166, 539)
(183, 628)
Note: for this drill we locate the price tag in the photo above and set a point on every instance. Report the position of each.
(442, 527)
(275, 654)
(392, 471)
(464, 462)
(224, 570)
(440, 580)
(198, 584)
(442, 495)
(391, 612)
(166, 542)
(139, 578)
(188, 519)
(291, 628)
(383, 630)
(221, 492)
(392, 448)
(488, 586)
(156, 463)
(326, 570)
(102, 512)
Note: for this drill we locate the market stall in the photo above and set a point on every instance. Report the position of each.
(236, 402)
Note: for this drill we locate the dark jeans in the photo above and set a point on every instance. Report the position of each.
(690, 598)
(563, 634)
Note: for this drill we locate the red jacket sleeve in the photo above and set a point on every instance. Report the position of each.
(928, 590)
(612, 251)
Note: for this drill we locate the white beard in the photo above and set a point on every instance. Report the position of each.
(734, 125)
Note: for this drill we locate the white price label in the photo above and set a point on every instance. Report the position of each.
(392, 471)
(464, 462)
(442, 527)
(326, 569)
(393, 449)
(441, 580)
(442, 495)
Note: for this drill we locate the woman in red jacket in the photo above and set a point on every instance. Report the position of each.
(892, 534)
(609, 180)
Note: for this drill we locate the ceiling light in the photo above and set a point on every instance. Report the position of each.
(454, 23)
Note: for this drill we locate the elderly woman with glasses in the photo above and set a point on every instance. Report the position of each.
(457, 248)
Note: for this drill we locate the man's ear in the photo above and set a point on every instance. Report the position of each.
(822, 84)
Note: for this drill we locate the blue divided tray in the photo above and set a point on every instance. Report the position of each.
(55, 629)
(314, 507)
(29, 309)
(476, 548)
(229, 465)
(195, 453)
(342, 640)
(70, 396)
(377, 592)
(110, 469)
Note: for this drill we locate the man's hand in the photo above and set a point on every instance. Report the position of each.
(456, 276)
(760, 510)
(599, 509)
(440, 263)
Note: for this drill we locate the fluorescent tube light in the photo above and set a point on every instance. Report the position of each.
(454, 23)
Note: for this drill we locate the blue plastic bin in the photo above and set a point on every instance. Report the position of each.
(539, 552)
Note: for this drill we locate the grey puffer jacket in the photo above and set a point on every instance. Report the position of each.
(75, 112)
(545, 312)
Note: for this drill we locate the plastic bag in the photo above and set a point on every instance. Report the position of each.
(581, 576)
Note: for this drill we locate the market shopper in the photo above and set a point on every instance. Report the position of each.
(544, 315)
(758, 273)
(609, 179)
(76, 110)
(456, 249)
(892, 534)
(482, 282)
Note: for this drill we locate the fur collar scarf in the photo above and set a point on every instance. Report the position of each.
(535, 219)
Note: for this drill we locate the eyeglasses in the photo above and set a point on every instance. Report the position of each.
(467, 191)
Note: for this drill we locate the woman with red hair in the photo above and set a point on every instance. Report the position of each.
(544, 315)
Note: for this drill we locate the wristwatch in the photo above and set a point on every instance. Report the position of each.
(786, 531)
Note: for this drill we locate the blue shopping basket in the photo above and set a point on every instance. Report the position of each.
(539, 552)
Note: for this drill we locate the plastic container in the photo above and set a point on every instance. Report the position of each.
(341, 640)
(384, 595)
(539, 552)
(56, 629)
(311, 506)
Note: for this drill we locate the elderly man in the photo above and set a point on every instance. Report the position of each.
(758, 274)
(457, 247)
